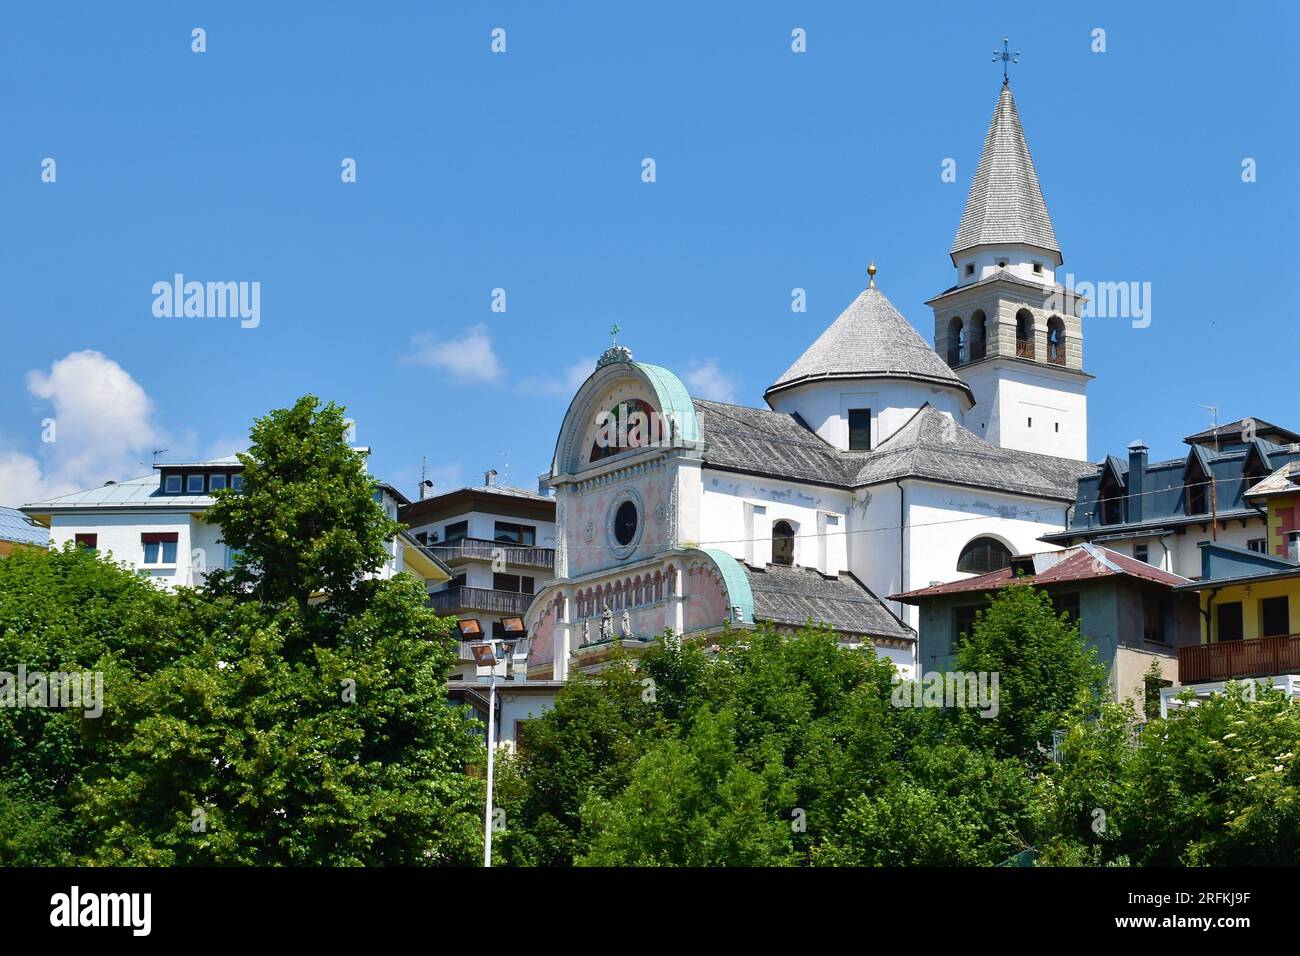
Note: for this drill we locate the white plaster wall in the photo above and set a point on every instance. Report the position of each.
(482, 524)
(943, 519)
(1008, 394)
(1019, 259)
(824, 405)
(119, 533)
(728, 499)
(1180, 553)
(873, 539)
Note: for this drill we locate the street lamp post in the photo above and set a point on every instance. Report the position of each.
(490, 654)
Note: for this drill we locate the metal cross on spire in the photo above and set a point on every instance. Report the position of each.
(1006, 56)
(613, 334)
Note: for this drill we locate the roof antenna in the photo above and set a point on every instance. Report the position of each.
(1214, 417)
(1006, 56)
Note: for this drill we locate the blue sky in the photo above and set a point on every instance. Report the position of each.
(522, 171)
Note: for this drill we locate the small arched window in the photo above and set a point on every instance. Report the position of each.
(956, 342)
(783, 543)
(983, 555)
(1025, 334)
(1056, 341)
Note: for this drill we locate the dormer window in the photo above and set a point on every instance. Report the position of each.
(172, 484)
(1197, 484)
(1110, 501)
(216, 481)
(194, 484)
(970, 268)
(1038, 268)
(237, 482)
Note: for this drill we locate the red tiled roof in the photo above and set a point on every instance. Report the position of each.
(1080, 566)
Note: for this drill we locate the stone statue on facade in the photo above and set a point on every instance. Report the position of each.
(606, 623)
(627, 624)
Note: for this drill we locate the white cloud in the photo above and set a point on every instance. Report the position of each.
(104, 426)
(705, 380)
(467, 359)
(564, 384)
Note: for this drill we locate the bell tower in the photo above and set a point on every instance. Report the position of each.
(1005, 326)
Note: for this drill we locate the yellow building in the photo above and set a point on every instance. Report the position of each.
(1280, 492)
(1250, 616)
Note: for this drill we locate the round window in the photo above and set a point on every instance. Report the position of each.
(625, 521)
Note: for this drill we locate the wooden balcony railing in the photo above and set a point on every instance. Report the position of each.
(1025, 348)
(453, 600)
(1056, 354)
(1258, 657)
(484, 550)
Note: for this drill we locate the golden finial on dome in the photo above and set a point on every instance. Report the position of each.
(871, 271)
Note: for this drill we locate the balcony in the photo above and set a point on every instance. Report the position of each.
(1258, 657)
(479, 599)
(481, 549)
(1056, 354)
(1025, 348)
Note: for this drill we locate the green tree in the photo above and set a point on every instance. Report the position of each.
(293, 712)
(1044, 670)
(305, 525)
(66, 611)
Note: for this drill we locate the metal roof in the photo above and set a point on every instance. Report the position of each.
(17, 527)
(142, 492)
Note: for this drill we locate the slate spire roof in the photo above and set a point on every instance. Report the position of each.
(1006, 203)
(870, 339)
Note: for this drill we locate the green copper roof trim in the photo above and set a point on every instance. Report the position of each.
(739, 593)
(674, 399)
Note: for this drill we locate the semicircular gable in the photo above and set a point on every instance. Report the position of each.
(627, 389)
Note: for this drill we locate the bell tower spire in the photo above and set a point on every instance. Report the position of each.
(1005, 327)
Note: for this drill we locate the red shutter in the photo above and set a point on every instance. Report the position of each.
(158, 537)
(87, 541)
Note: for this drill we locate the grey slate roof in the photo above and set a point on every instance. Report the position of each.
(16, 526)
(870, 339)
(763, 442)
(794, 596)
(931, 446)
(1006, 203)
(934, 446)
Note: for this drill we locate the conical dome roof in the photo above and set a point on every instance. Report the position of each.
(870, 339)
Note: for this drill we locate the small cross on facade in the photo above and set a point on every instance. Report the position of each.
(1006, 56)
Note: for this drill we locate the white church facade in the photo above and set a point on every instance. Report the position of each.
(881, 464)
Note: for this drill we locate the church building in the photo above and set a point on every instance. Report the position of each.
(880, 465)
